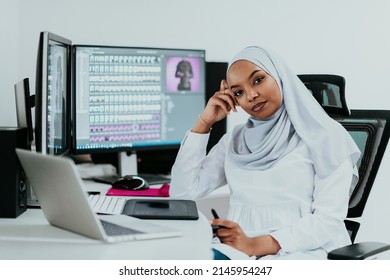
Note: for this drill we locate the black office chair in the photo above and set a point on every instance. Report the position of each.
(329, 91)
(371, 131)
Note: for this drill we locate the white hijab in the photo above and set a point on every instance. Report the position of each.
(260, 143)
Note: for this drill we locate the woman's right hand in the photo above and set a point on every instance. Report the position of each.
(219, 105)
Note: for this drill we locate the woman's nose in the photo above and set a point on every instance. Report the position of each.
(252, 94)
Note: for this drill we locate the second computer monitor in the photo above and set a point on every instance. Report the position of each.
(53, 94)
(128, 98)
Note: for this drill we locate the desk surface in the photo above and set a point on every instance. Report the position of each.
(31, 237)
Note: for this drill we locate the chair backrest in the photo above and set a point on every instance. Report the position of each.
(329, 91)
(370, 129)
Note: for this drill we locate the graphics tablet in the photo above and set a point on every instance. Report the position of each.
(161, 209)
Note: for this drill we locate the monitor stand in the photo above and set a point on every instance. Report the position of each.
(127, 165)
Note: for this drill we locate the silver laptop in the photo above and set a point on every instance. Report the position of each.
(60, 192)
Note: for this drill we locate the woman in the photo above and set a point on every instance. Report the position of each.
(289, 168)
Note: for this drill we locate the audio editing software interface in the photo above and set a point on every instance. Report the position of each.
(128, 97)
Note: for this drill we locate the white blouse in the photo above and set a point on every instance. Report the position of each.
(302, 212)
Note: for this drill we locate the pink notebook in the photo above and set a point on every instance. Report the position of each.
(162, 192)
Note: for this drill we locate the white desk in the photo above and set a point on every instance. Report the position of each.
(31, 237)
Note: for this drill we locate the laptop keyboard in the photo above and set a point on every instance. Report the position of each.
(115, 230)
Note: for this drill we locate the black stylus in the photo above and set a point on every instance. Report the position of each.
(215, 215)
(215, 227)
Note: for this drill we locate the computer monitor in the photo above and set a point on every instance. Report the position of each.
(133, 99)
(53, 95)
(24, 102)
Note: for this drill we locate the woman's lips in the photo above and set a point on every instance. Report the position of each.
(259, 106)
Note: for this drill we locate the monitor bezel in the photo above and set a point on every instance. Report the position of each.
(41, 95)
(128, 149)
(24, 104)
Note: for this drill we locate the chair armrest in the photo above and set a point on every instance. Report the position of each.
(358, 251)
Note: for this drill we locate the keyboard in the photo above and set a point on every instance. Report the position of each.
(115, 230)
(107, 204)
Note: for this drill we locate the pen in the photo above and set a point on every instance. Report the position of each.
(215, 227)
(214, 213)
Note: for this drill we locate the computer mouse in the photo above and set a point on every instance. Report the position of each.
(130, 182)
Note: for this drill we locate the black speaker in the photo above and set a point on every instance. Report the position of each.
(215, 73)
(13, 185)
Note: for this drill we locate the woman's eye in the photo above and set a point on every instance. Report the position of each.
(238, 93)
(258, 80)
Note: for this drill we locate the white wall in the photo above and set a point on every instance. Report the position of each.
(349, 37)
(9, 23)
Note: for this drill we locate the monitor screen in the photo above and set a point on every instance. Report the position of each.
(53, 95)
(128, 98)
